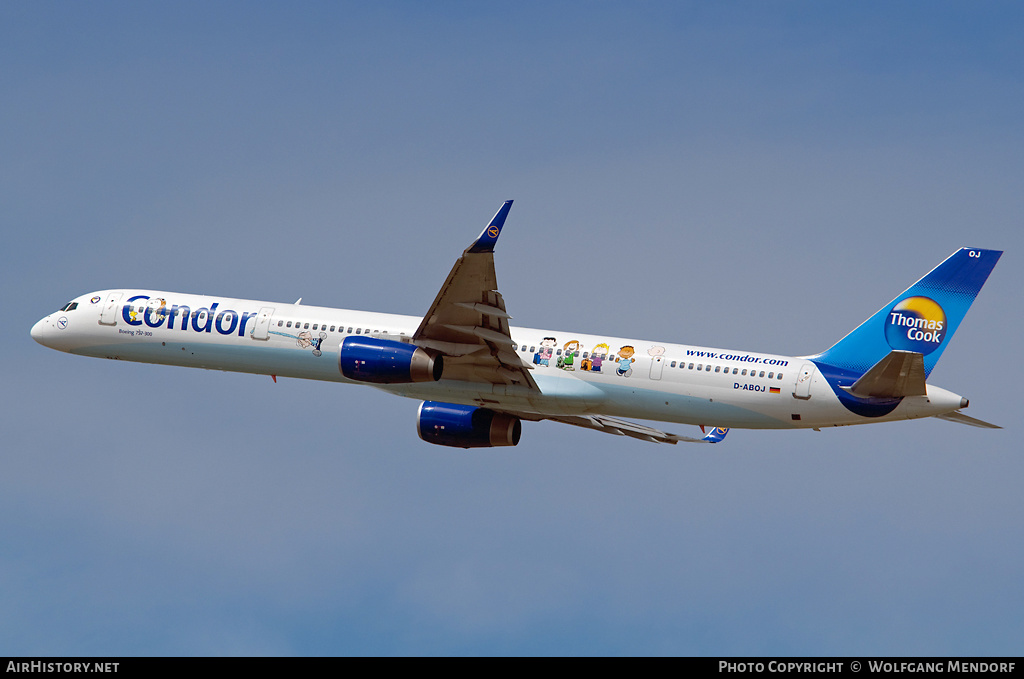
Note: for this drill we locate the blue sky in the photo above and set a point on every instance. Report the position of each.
(756, 176)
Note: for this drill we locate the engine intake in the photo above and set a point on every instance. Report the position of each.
(366, 359)
(459, 426)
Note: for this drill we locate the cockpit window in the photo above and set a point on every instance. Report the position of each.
(70, 306)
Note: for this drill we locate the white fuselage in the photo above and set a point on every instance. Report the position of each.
(576, 373)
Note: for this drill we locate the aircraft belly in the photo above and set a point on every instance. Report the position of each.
(238, 356)
(715, 409)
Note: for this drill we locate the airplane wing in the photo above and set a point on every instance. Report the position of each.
(613, 425)
(467, 321)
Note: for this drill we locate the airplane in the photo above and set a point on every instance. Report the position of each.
(479, 378)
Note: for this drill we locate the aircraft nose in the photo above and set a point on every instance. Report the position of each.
(40, 331)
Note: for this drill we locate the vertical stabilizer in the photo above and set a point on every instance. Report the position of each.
(922, 319)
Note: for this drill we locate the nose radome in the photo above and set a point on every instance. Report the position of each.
(39, 331)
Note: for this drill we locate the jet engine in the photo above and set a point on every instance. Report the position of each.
(367, 359)
(459, 426)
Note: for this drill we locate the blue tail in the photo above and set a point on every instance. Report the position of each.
(922, 319)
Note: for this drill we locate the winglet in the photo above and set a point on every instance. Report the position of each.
(716, 435)
(487, 239)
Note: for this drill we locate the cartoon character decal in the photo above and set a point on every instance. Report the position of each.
(572, 350)
(657, 355)
(625, 361)
(593, 362)
(156, 308)
(305, 340)
(545, 351)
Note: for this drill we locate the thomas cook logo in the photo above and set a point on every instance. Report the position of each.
(492, 231)
(916, 324)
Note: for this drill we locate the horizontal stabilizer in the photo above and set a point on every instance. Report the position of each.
(899, 374)
(958, 416)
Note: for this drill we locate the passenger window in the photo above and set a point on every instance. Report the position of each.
(533, 350)
(744, 372)
(358, 331)
(306, 327)
(672, 365)
(780, 376)
(332, 328)
(717, 367)
(558, 353)
(771, 376)
(735, 371)
(690, 367)
(280, 324)
(700, 366)
(762, 373)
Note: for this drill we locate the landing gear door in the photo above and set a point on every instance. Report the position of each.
(803, 382)
(262, 329)
(108, 316)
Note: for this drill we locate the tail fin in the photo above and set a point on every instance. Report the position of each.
(922, 319)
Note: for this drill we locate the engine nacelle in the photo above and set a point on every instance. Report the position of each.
(448, 424)
(367, 359)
